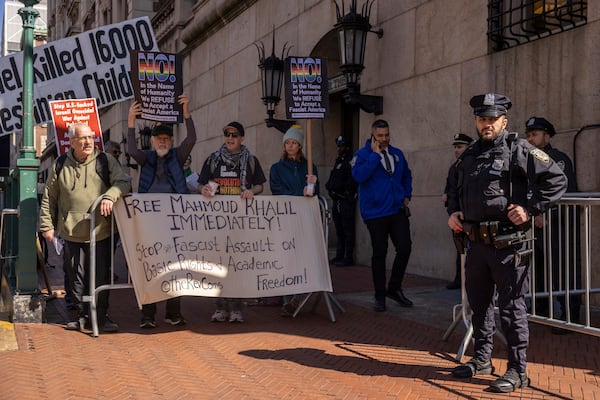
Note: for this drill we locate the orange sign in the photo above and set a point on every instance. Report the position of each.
(68, 112)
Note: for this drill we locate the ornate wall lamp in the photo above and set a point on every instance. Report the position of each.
(352, 31)
(145, 135)
(271, 75)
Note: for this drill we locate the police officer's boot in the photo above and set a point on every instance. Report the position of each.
(473, 367)
(510, 381)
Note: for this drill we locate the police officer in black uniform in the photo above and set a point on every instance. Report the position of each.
(460, 144)
(539, 134)
(342, 189)
(501, 182)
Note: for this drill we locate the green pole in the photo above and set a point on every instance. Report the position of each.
(27, 166)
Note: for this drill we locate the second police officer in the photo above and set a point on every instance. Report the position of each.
(342, 189)
(500, 183)
(558, 267)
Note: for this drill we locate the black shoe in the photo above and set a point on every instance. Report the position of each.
(453, 285)
(147, 323)
(107, 326)
(379, 306)
(398, 296)
(473, 367)
(509, 382)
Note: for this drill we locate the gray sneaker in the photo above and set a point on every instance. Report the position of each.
(175, 320)
(147, 323)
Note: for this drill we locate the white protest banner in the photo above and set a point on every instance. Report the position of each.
(178, 245)
(93, 64)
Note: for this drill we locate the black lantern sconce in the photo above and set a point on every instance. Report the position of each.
(352, 31)
(128, 163)
(145, 135)
(271, 76)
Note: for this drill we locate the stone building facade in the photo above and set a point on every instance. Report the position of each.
(433, 56)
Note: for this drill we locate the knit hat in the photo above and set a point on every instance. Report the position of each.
(296, 133)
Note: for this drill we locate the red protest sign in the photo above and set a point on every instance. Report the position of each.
(68, 112)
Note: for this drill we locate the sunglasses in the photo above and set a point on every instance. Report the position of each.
(231, 134)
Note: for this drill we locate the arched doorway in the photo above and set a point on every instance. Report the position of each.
(343, 118)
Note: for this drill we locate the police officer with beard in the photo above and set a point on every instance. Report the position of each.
(342, 189)
(489, 201)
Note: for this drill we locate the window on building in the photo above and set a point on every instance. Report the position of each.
(513, 22)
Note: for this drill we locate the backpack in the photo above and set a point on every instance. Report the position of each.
(101, 167)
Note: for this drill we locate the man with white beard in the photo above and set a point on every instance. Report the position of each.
(162, 172)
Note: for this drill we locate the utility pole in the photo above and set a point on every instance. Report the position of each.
(28, 301)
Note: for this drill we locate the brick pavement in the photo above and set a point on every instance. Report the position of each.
(364, 355)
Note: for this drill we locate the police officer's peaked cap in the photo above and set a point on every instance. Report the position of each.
(340, 141)
(461, 138)
(538, 123)
(490, 105)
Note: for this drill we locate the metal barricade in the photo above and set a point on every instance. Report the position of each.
(566, 239)
(93, 296)
(328, 296)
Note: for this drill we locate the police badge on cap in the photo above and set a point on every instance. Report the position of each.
(490, 105)
(541, 124)
(461, 138)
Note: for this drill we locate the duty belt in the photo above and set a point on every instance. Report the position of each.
(500, 234)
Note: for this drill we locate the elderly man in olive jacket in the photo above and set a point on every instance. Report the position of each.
(70, 192)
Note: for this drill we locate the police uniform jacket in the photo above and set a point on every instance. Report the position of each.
(481, 188)
(341, 185)
(565, 164)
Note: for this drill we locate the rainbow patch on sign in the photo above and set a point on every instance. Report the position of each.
(305, 70)
(156, 66)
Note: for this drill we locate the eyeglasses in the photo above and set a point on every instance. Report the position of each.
(116, 153)
(90, 137)
(231, 134)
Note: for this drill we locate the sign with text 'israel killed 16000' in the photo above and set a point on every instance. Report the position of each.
(306, 94)
(92, 64)
(157, 82)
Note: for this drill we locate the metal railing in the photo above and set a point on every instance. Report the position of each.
(94, 291)
(566, 239)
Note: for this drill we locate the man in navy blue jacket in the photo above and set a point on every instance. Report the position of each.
(384, 191)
